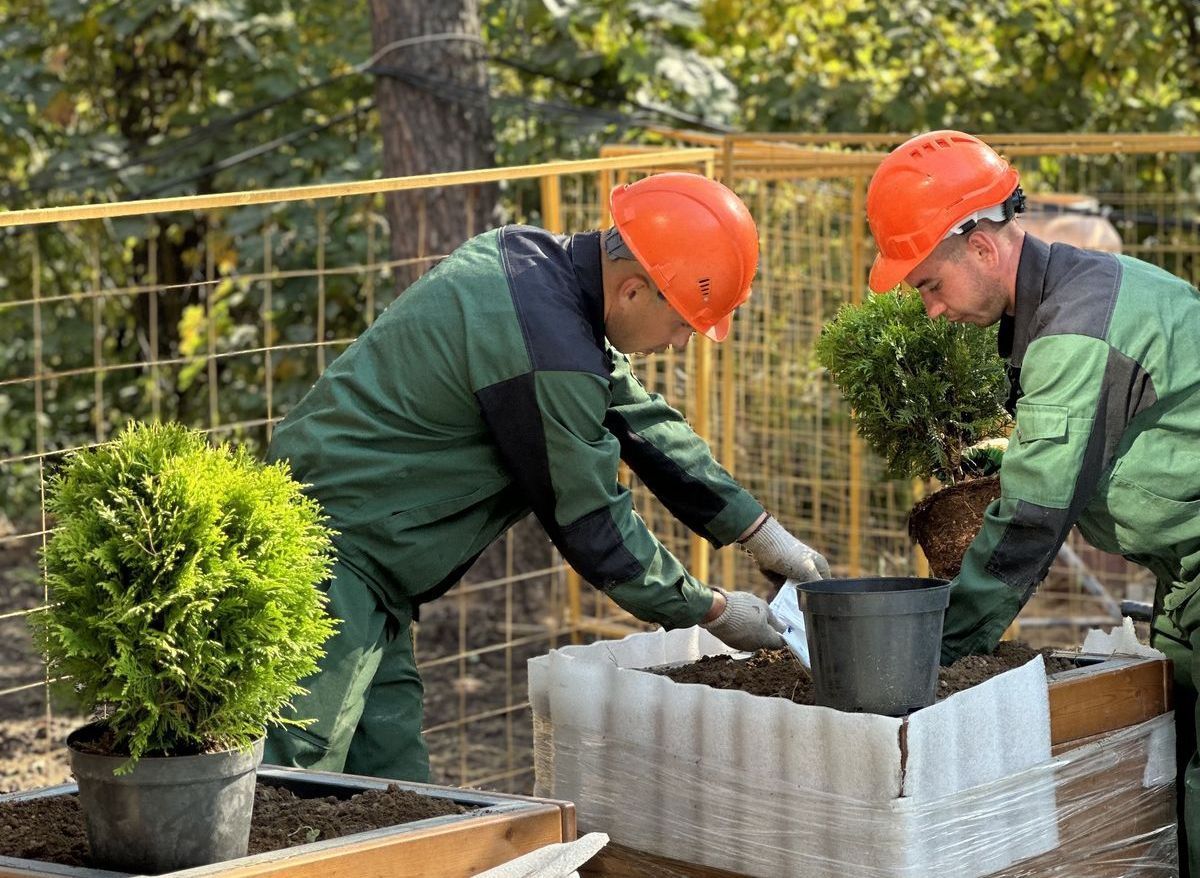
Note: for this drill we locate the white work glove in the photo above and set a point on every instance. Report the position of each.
(777, 552)
(747, 623)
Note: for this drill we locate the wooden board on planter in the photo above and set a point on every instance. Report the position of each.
(1085, 704)
(1107, 695)
(501, 828)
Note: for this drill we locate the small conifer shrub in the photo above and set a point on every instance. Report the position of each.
(182, 582)
(922, 391)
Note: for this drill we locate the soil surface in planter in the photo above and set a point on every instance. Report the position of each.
(775, 673)
(944, 523)
(51, 828)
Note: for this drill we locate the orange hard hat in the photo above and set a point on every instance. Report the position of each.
(697, 241)
(927, 189)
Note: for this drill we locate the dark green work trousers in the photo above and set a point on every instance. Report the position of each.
(366, 699)
(1177, 633)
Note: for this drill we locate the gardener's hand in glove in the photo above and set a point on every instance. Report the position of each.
(743, 621)
(781, 556)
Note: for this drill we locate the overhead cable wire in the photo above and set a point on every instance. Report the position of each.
(670, 112)
(254, 152)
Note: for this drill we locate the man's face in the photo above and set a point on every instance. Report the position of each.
(954, 283)
(645, 323)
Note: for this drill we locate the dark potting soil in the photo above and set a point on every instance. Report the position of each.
(51, 828)
(944, 523)
(97, 738)
(776, 673)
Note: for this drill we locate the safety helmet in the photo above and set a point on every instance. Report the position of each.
(696, 240)
(928, 188)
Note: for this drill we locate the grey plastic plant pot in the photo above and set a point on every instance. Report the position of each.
(875, 643)
(170, 812)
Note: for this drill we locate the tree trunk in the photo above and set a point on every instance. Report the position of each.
(433, 109)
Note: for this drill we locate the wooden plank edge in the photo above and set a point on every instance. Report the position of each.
(1090, 704)
(493, 838)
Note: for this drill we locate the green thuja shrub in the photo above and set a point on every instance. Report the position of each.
(182, 587)
(922, 391)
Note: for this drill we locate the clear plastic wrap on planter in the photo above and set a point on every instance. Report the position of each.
(765, 787)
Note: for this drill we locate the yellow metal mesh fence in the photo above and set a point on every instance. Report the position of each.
(220, 312)
(792, 439)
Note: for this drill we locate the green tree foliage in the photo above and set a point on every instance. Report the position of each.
(182, 580)
(863, 65)
(129, 98)
(1033, 65)
(139, 98)
(119, 99)
(922, 391)
(598, 71)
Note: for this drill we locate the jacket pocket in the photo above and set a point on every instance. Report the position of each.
(1044, 455)
(1181, 608)
(1147, 522)
(1036, 422)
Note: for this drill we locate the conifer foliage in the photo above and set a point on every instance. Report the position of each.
(922, 391)
(182, 585)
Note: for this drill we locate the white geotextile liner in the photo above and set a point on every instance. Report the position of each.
(767, 787)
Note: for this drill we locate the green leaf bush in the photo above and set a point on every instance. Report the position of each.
(182, 585)
(922, 391)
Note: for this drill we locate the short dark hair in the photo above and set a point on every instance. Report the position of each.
(615, 246)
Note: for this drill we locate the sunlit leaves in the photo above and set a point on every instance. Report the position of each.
(922, 391)
(182, 584)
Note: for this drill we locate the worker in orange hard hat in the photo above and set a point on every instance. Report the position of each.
(1101, 352)
(497, 385)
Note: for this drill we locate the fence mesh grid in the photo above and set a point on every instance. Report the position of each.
(222, 316)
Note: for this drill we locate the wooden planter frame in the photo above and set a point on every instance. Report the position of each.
(501, 828)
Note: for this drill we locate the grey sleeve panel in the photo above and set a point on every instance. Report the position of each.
(593, 546)
(1128, 391)
(557, 320)
(1032, 539)
(1024, 554)
(674, 462)
(687, 498)
(592, 543)
(1083, 287)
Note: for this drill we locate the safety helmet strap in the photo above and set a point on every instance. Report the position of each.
(1002, 212)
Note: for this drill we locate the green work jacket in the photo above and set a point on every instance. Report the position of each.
(1104, 361)
(485, 391)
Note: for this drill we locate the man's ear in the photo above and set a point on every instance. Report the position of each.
(983, 247)
(632, 287)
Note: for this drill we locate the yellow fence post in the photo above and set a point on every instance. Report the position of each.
(858, 280)
(551, 190)
(699, 414)
(728, 447)
(551, 187)
(919, 560)
(604, 185)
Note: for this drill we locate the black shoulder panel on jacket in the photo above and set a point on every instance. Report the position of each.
(510, 410)
(558, 319)
(689, 499)
(592, 543)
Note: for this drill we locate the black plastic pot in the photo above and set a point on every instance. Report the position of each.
(875, 643)
(170, 812)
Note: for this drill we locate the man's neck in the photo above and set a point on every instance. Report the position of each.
(1012, 263)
